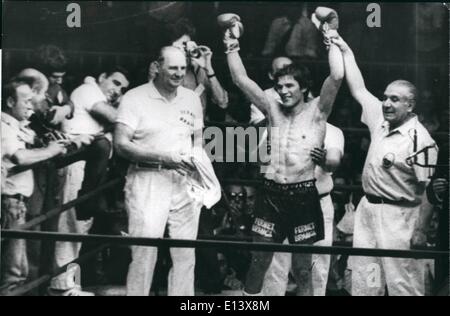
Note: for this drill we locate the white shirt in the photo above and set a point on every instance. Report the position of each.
(386, 172)
(334, 138)
(14, 138)
(159, 124)
(84, 97)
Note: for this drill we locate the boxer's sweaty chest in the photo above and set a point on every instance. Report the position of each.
(292, 139)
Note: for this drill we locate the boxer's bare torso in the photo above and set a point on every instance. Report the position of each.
(294, 133)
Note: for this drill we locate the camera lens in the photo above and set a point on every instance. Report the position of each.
(195, 53)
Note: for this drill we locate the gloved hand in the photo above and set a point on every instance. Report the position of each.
(325, 19)
(233, 30)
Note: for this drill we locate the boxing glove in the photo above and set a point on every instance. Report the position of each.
(325, 19)
(234, 29)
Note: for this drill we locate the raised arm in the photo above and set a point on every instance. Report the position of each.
(218, 93)
(355, 79)
(240, 78)
(333, 82)
(232, 31)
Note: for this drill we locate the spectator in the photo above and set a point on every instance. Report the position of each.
(200, 75)
(93, 115)
(16, 138)
(52, 62)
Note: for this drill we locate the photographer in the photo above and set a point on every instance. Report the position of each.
(17, 138)
(200, 75)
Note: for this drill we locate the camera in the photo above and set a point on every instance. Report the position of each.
(192, 50)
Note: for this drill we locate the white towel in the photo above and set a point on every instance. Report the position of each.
(207, 188)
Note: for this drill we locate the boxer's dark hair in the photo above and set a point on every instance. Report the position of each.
(181, 27)
(116, 68)
(300, 73)
(9, 90)
(50, 59)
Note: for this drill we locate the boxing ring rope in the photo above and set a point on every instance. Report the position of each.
(186, 243)
(60, 209)
(20, 232)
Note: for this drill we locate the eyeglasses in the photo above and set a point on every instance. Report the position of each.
(235, 195)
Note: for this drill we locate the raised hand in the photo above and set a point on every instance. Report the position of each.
(233, 30)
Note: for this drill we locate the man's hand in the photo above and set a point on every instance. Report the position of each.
(319, 155)
(60, 113)
(14, 209)
(419, 238)
(83, 140)
(339, 42)
(204, 61)
(329, 36)
(57, 148)
(180, 161)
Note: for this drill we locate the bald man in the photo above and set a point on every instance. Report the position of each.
(157, 128)
(394, 208)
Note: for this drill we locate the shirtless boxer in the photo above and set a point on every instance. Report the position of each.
(289, 205)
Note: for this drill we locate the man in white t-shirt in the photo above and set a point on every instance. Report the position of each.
(158, 126)
(93, 114)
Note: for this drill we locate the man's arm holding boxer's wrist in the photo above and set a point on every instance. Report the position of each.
(332, 84)
(353, 74)
(240, 78)
(129, 150)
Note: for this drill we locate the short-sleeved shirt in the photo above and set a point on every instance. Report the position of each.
(160, 124)
(334, 138)
(15, 136)
(387, 173)
(84, 97)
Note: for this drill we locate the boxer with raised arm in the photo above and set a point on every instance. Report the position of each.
(289, 204)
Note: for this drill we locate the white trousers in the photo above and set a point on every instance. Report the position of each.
(154, 199)
(66, 252)
(389, 227)
(312, 271)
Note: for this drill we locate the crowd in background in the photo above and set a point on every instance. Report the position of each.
(271, 30)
